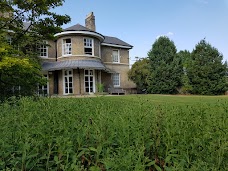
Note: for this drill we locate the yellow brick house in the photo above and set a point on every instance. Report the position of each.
(80, 59)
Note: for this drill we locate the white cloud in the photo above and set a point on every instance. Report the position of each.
(169, 34)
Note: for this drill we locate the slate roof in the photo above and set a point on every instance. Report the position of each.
(77, 27)
(115, 41)
(108, 39)
(73, 64)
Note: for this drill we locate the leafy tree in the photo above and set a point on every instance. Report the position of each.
(26, 24)
(139, 73)
(206, 71)
(185, 57)
(165, 67)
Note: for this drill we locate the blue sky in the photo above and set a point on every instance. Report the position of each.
(139, 23)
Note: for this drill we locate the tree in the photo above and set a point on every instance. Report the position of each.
(19, 62)
(206, 71)
(185, 57)
(139, 73)
(165, 67)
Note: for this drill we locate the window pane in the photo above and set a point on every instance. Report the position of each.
(88, 46)
(68, 40)
(116, 79)
(88, 51)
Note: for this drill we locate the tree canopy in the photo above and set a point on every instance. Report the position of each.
(139, 73)
(206, 71)
(165, 67)
(23, 26)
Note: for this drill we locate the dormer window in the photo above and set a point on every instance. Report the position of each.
(67, 47)
(88, 46)
(43, 49)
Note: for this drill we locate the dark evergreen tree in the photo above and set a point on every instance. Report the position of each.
(165, 67)
(206, 71)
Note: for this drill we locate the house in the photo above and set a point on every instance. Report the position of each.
(81, 60)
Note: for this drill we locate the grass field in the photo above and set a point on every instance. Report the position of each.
(115, 133)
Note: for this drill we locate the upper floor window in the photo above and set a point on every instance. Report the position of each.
(43, 49)
(116, 79)
(67, 47)
(115, 56)
(88, 46)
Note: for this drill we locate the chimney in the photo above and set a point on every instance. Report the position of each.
(90, 21)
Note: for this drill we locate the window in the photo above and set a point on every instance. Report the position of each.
(89, 81)
(66, 47)
(16, 90)
(9, 40)
(116, 79)
(43, 49)
(88, 46)
(43, 90)
(115, 56)
(68, 81)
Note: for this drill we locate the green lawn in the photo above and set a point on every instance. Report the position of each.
(134, 132)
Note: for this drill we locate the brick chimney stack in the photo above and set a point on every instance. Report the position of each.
(90, 21)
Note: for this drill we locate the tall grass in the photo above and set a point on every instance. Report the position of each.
(117, 134)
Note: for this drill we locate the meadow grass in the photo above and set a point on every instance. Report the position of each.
(116, 133)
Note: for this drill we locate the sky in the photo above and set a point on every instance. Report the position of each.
(141, 22)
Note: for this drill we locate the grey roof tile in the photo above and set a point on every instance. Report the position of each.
(73, 64)
(77, 27)
(115, 41)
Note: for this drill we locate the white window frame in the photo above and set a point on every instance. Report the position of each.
(43, 47)
(118, 56)
(42, 88)
(116, 82)
(66, 47)
(88, 44)
(68, 82)
(89, 75)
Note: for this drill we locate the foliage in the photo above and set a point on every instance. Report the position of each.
(19, 62)
(114, 133)
(165, 67)
(185, 57)
(206, 71)
(100, 87)
(139, 73)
